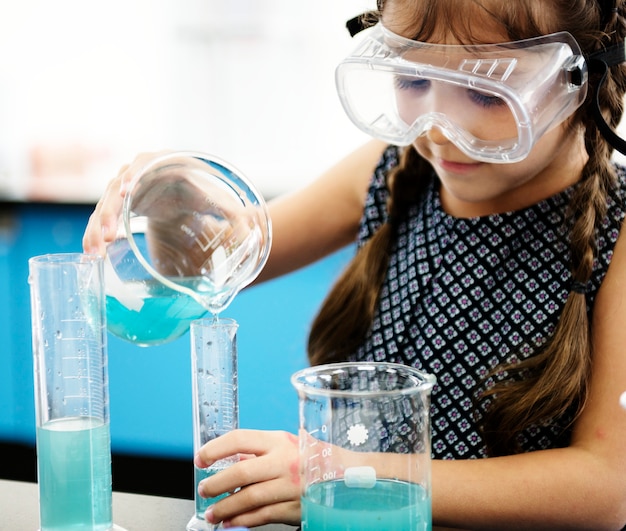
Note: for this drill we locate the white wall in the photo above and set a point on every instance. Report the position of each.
(84, 86)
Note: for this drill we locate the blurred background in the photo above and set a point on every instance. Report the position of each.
(84, 87)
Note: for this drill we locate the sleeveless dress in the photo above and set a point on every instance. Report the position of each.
(464, 295)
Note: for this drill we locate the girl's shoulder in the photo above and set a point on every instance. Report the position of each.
(375, 211)
(388, 160)
(378, 190)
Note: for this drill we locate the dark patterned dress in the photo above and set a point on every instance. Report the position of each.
(464, 295)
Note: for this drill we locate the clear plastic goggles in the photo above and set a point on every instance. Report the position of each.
(492, 101)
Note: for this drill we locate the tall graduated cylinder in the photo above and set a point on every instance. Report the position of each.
(214, 398)
(71, 392)
(365, 447)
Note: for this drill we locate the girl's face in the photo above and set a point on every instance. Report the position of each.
(470, 188)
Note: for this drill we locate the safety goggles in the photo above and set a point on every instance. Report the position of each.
(492, 101)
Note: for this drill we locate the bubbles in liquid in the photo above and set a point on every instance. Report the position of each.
(58, 334)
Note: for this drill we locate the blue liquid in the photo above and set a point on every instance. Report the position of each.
(390, 505)
(202, 504)
(74, 469)
(164, 315)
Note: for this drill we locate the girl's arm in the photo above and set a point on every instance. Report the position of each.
(323, 216)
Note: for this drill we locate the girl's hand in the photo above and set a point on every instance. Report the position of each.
(267, 476)
(102, 226)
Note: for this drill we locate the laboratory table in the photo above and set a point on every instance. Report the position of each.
(19, 510)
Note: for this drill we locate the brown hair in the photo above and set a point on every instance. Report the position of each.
(554, 380)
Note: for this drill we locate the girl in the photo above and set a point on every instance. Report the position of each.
(488, 216)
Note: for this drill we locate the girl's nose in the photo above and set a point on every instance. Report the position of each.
(435, 135)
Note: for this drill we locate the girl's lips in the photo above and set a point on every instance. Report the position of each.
(457, 167)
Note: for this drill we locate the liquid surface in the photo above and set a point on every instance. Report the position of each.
(157, 315)
(74, 475)
(390, 505)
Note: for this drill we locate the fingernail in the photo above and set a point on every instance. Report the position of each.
(208, 515)
(197, 460)
(200, 490)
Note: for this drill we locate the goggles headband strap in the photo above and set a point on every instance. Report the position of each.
(600, 62)
(361, 22)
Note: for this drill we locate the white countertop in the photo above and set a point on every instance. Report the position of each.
(19, 510)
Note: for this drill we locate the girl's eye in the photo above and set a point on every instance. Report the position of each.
(411, 83)
(485, 100)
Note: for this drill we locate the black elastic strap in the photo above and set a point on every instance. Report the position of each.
(361, 22)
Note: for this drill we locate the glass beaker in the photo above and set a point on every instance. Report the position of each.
(193, 232)
(364, 447)
(71, 392)
(214, 398)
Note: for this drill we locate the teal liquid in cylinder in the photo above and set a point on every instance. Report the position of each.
(202, 504)
(389, 505)
(74, 475)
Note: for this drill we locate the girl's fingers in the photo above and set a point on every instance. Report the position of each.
(102, 225)
(250, 472)
(244, 442)
(259, 504)
(287, 512)
(269, 484)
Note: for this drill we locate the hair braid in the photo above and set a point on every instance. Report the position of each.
(528, 395)
(348, 310)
